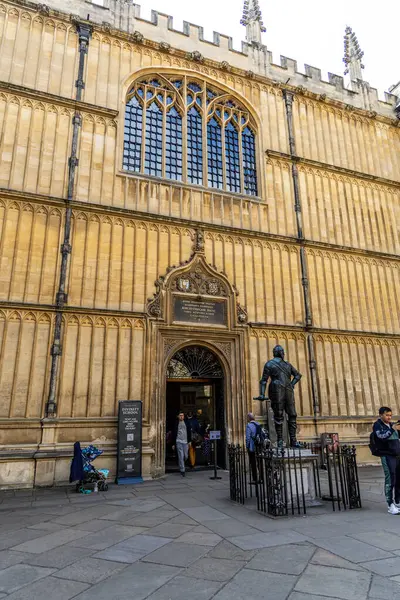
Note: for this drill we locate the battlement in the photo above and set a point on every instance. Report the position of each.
(253, 58)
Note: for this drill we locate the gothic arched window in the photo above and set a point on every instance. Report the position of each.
(186, 130)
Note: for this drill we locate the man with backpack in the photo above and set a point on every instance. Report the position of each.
(385, 443)
(254, 437)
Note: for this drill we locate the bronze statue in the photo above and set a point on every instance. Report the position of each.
(281, 393)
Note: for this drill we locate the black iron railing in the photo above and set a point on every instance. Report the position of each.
(291, 480)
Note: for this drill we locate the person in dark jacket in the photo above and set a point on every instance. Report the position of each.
(388, 444)
(195, 433)
(182, 437)
(76, 471)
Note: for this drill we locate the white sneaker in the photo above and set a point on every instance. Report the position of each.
(397, 504)
(393, 510)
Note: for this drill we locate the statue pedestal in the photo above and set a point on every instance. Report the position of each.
(292, 478)
(301, 468)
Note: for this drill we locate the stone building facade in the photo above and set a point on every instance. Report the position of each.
(170, 209)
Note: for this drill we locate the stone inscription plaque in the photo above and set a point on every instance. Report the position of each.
(193, 310)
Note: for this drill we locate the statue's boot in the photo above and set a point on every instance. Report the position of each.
(279, 434)
(292, 427)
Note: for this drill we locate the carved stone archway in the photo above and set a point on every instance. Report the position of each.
(194, 362)
(195, 305)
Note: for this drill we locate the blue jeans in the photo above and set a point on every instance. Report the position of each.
(182, 451)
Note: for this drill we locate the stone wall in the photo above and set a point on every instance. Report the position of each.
(128, 230)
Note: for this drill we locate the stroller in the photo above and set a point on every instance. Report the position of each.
(83, 470)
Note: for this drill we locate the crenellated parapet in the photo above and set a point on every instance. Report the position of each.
(122, 18)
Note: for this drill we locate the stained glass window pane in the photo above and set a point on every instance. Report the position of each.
(153, 149)
(173, 145)
(249, 162)
(232, 158)
(133, 135)
(194, 147)
(214, 147)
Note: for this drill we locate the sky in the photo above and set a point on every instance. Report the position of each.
(309, 31)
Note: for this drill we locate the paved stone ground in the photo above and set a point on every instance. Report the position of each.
(178, 538)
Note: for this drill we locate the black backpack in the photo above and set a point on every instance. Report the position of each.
(372, 445)
(259, 435)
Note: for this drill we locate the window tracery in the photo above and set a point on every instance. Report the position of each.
(184, 129)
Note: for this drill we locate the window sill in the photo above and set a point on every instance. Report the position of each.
(189, 186)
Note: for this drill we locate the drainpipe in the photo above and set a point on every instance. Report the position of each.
(84, 32)
(288, 98)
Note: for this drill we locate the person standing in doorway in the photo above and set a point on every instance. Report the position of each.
(387, 446)
(195, 437)
(182, 437)
(254, 435)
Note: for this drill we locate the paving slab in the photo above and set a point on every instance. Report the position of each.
(386, 567)
(291, 559)
(140, 505)
(200, 538)
(383, 588)
(331, 581)
(216, 569)
(17, 576)
(143, 544)
(47, 526)
(182, 588)
(300, 596)
(267, 540)
(121, 514)
(170, 530)
(177, 554)
(257, 585)
(136, 581)
(90, 570)
(204, 513)
(8, 558)
(323, 557)
(84, 515)
(183, 520)
(352, 549)
(229, 527)
(227, 550)
(50, 541)
(381, 539)
(8, 540)
(50, 587)
(118, 554)
(182, 501)
(57, 558)
(96, 525)
(108, 537)
(149, 520)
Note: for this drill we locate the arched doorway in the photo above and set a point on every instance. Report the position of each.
(195, 384)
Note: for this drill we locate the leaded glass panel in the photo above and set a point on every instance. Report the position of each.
(154, 145)
(249, 162)
(214, 147)
(173, 145)
(195, 147)
(232, 157)
(219, 137)
(133, 135)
